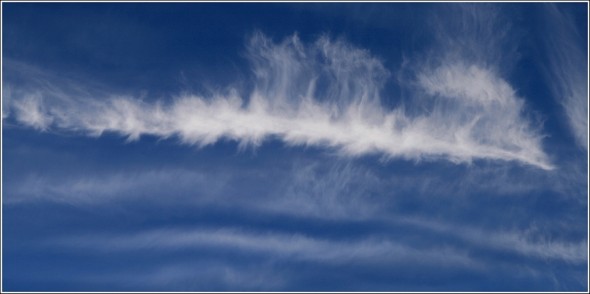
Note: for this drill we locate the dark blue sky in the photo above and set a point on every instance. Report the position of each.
(294, 147)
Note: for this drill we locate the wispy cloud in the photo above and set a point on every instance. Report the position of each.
(116, 186)
(368, 250)
(478, 33)
(209, 277)
(280, 245)
(568, 73)
(526, 243)
(332, 191)
(5, 102)
(323, 94)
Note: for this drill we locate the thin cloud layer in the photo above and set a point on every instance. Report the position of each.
(281, 245)
(568, 74)
(368, 250)
(327, 94)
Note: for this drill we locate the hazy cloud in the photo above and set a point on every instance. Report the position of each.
(280, 245)
(568, 69)
(527, 243)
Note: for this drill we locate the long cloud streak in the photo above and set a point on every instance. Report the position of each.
(327, 93)
(281, 245)
(304, 247)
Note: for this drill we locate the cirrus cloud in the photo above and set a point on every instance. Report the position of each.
(327, 94)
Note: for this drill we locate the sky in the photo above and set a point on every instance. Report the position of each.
(294, 146)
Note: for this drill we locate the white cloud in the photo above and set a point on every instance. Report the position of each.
(477, 33)
(278, 245)
(527, 243)
(5, 101)
(568, 71)
(113, 186)
(322, 94)
(479, 114)
(368, 250)
(31, 111)
(328, 191)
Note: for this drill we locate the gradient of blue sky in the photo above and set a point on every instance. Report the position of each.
(292, 146)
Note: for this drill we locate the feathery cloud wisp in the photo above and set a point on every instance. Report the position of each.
(327, 93)
(568, 76)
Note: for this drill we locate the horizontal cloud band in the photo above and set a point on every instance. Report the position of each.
(323, 94)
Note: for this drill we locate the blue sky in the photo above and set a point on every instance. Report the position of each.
(294, 147)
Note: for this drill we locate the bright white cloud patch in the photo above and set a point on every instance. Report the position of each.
(327, 93)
